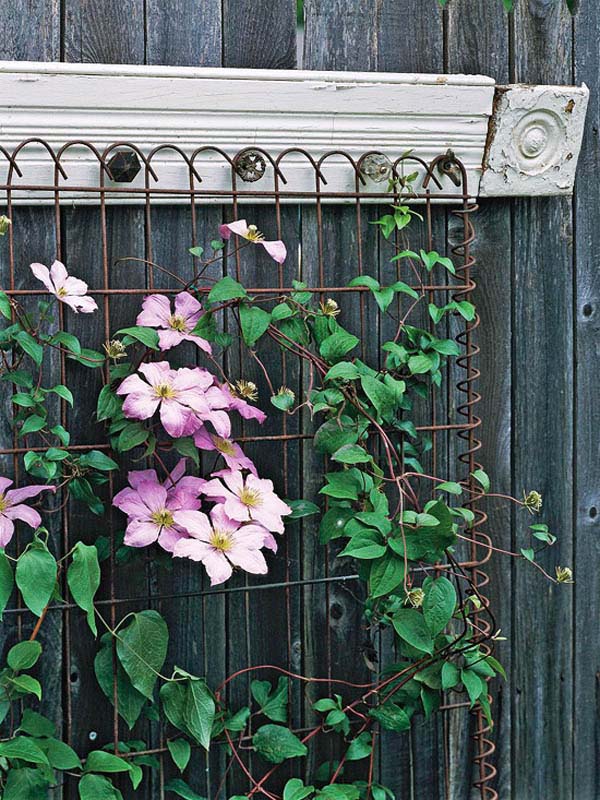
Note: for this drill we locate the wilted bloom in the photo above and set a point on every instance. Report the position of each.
(249, 498)
(532, 501)
(185, 398)
(65, 287)
(5, 223)
(276, 249)
(245, 389)
(221, 543)
(564, 575)
(115, 349)
(330, 308)
(12, 508)
(151, 505)
(236, 403)
(415, 597)
(232, 453)
(173, 327)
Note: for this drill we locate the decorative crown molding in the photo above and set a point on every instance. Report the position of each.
(520, 145)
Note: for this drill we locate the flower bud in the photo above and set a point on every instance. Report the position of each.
(115, 349)
(564, 575)
(532, 501)
(5, 224)
(330, 308)
(415, 597)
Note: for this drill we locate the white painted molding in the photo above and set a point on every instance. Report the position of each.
(234, 109)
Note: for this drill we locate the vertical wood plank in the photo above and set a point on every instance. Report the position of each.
(477, 41)
(586, 730)
(543, 440)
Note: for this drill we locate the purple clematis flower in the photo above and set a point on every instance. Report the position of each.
(243, 408)
(173, 327)
(12, 508)
(69, 290)
(276, 249)
(221, 543)
(232, 453)
(248, 499)
(185, 398)
(151, 506)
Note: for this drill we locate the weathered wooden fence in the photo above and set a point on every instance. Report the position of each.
(538, 297)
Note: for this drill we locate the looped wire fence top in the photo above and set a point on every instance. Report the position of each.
(305, 616)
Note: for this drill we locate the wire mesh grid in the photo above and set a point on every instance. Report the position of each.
(305, 616)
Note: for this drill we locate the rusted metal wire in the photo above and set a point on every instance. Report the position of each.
(255, 174)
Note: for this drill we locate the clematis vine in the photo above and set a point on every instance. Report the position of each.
(221, 543)
(185, 398)
(248, 499)
(276, 249)
(173, 326)
(12, 508)
(151, 505)
(66, 288)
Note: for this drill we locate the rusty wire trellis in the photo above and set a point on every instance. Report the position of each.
(443, 179)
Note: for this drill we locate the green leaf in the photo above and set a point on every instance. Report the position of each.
(281, 311)
(101, 761)
(528, 553)
(173, 698)
(334, 347)
(473, 684)
(83, 577)
(147, 336)
(180, 750)
(181, 789)
(108, 404)
(411, 627)
(339, 791)
(386, 574)
(450, 675)
(273, 704)
(130, 701)
(7, 582)
(284, 400)
(342, 485)
(364, 545)
(254, 322)
(98, 460)
(391, 717)
(351, 454)
(276, 744)
(35, 724)
(23, 400)
(380, 395)
(30, 346)
(199, 711)
(449, 486)
(60, 755)
(295, 789)
(97, 787)
(132, 435)
(32, 424)
(68, 340)
(91, 359)
(333, 523)
(27, 784)
(404, 288)
(420, 364)
(25, 749)
(334, 434)
(36, 577)
(226, 289)
(23, 655)
(360, 747)
(142, 649)
(439, 604)
(5, 307)
(343, 371)
(25, 684)
(64, 392)
(196, 251)
(302, 508)
(482, 478)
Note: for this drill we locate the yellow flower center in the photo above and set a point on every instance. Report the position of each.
(254, 235)
(164, 518)
(3, 503)
(221, 540)
(224, 446)
(164, 391)
(177, 323)
(250, 497)
(62, 292)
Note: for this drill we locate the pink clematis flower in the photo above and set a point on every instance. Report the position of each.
(185, 398)
(176, 327)
(65, 287)
(221, 544)
(243, 408)
(12, 508)
(248, 499)
(234, 456)
(151, 506)
(277, 249)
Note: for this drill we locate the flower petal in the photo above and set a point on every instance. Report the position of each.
(156, 311)
(42, 273)
(169, 338)
(277, 250)
(59, 274)
(7, 528)
(141, 534)
(26, 514)
(194, 549)
(176, 419)
(239, 226)
(157, 372)
(14, 496)
(86, 305)
(140, 406)
(188, 307)
(75, 286)
(195, 523)
(251, 561)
